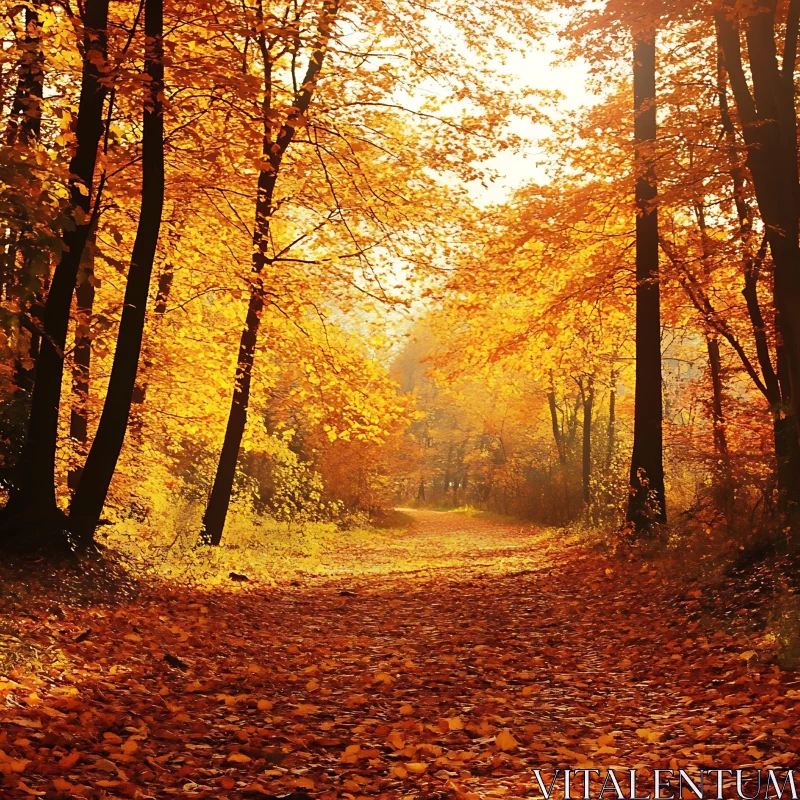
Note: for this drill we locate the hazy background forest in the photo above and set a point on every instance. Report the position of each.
(293, 263)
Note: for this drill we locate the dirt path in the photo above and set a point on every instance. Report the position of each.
(454, 660)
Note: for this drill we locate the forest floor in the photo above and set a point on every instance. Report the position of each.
(449, 659)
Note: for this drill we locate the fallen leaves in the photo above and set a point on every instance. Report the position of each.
(456, 683)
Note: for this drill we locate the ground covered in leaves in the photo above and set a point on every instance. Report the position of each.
(447, 660)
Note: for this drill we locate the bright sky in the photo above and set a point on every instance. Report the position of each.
(537, 69)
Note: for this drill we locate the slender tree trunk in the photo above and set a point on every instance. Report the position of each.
(33, 495)
(586, 465)
(646, 504)
(722, 468)
(90, 496)
(24, 128)
(273, 152)
(25, 123)
(81, 372)
(22, 279)
(220, 497)
(446, 485)
(612, 419)
(557, 436)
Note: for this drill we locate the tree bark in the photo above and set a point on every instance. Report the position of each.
(646, 505)
(722, 467)
(220, 497)
(586, 462)
(612, 419)
(24, 128)
(769, 128)
(272, 152)
(90, 496)
(33, 495)
(81, 372)
(557, 435)
(776, 391)
(25, 122)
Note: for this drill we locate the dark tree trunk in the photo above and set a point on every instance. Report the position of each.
(22, 279)
(220, 497)
(777, 391)
(421, 490)
(769, 128)
(557, 435)
(612, 419)
(273, 152)
(722, 467)
(33, 495)
(81, 373)
(448, 464)
(90, 496)
(24, 127)
(586, 463)
(646, 505)
(25, 123)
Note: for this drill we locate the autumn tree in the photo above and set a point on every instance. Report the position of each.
(32, 511)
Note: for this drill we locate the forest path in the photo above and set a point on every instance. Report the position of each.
(447, 682)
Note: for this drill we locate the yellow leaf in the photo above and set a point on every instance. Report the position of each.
(406, 710)
(69, 761)
(130, 747)
(748, 654)
(239, 758)
(505, 740)
(455, 724)
(396, 740)
(417, 767)
(649, 735)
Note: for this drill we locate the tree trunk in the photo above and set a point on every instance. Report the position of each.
(612, 419)
(273, 153)
(220, 497)
(769, 128)
(25, 123)
(24, 128)
(81, 373)
(90, 496)
(777, 392)
(722, 468)
(588, 404)
(33, 496)
(646, 505)
(557, 435)
(21, 284)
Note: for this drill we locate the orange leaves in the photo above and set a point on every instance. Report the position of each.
(505, 740)
(466, 641)
(69, 761)
(396, 740)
